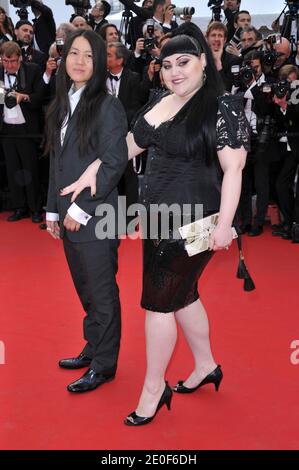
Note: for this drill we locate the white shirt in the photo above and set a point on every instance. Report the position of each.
(113, 85)
(250, 115)
(13, 115)
(74, 210)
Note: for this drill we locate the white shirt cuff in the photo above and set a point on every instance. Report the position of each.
(78, 214)
(52, 216)
(46, 79)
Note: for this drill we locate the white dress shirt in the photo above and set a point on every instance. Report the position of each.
(74, 210)
(113, 85)
(13, 115)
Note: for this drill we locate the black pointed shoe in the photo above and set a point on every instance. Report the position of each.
(75, 362)
(134, 420)
(89, 381)
(214, 377)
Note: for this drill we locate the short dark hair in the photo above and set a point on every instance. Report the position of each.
(103, 30)
(22, 23)
(240, 13)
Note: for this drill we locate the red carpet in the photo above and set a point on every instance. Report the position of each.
(41, 321)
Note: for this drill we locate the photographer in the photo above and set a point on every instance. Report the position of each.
(242, 20)
(162, 13)
(286, 110)
(256, 174)
(230, 8)
(44, 26)
(20, 118)
(147, 48)
(98, 15)
(135, 25)
(216, 37)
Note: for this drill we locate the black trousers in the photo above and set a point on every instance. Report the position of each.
(256, 179)
(21, 157)
(288, 196)
(93, 267)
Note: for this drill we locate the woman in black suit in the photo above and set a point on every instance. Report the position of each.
(80, 122)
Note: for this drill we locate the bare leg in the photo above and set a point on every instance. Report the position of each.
(161, 335)
(194, 323)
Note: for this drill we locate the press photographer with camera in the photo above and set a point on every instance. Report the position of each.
(147, 47)
(20, 118)
(249, 80)
(44, 25)
(162, 13)
(98, 14)
(286, 113)
(230, 8)
(242, 20)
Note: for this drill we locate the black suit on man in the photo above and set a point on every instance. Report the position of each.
(93, 261)
(133, 95)
(97, 26)
(19, 141)
(44, 27)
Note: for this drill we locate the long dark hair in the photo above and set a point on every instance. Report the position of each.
(7, 24)
(91, 98)
(200, 112)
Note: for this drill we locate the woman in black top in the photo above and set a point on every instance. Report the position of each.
(182, 131)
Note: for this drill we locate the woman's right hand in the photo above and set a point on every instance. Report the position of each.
(86, 180)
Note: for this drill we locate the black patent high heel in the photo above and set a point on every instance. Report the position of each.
(134, 420)
(214, 377)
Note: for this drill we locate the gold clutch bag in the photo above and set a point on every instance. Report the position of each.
(196, 234)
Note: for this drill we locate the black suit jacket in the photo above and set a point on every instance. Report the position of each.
(66, 166)
(133, 94)
(96, 28)
(227, 61)
(30, 83)
(44, 27)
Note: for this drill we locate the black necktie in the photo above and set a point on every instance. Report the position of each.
(113, 77)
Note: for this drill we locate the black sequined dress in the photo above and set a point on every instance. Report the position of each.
(170, 276)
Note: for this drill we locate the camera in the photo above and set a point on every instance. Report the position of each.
(20, 3)
(184, 11)
(282, 89)
(247, 74)
(60, 46)
(84, 4)
(10, 99)
(242, 75)
(215, 3)
(150, 42)
(293, 6)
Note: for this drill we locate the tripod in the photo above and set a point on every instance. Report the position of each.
(125, 23)
(290, 29)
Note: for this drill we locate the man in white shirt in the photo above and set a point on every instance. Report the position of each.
(20, 118)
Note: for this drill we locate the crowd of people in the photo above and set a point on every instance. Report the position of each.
(194, 105)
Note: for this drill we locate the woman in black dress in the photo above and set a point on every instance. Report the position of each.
(182, 130)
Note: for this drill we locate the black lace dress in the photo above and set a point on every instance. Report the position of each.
(170, 276)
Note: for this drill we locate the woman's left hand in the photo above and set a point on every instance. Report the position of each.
(221, 238)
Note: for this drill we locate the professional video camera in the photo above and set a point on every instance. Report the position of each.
(80, 6)
(215, 6)
(23, 5)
